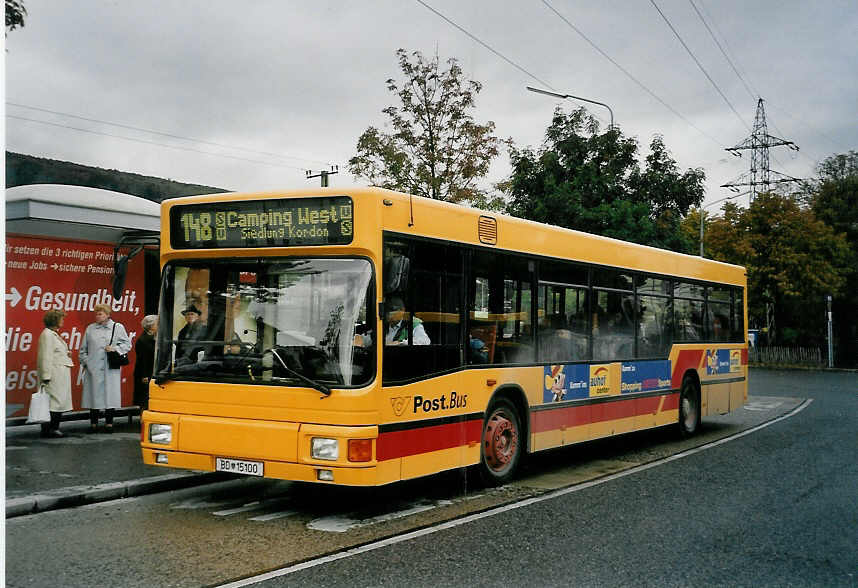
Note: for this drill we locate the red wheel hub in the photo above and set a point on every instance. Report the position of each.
(500, 441)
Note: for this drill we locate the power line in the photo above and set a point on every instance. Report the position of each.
(487, 46)
(43, 122)
(753, 94)
(730, 61)
(818, 132)
(633, 78)
(493, 50)
(708, 77)
(756, 94)
(162, 134)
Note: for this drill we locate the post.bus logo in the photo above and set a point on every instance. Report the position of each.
(600, 380)
(399, 403)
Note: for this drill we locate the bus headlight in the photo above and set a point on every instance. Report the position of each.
(322, 448)
(160, 433)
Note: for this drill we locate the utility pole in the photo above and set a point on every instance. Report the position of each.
(830, 343)
(323, 174)
(761, 177)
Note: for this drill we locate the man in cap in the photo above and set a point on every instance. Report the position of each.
(188, 333)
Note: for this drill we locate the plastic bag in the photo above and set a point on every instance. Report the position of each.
(40, 407)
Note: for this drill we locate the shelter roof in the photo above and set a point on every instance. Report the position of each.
(78, 212)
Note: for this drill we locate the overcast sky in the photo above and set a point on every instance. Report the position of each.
(284, 86)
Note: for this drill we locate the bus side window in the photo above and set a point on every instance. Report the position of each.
(688, 313)
(737, 324)
(499, 307)
(422, 298)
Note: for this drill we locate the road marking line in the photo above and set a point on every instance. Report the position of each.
(341, 524)
(762, 406)
(501, 509)
(255, 505)
(197, 503)
(274, 515)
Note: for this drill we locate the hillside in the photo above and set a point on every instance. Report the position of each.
(23, 169)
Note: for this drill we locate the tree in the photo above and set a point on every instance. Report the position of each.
(833, 197)
(793, 260)
(15, 12)
(435, 149)
(590, 181)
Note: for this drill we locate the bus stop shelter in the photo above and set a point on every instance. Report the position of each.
(60, 242)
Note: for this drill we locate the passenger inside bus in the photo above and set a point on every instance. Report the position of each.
(397, 325)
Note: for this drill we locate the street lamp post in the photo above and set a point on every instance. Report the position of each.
(556, 95)
(703, 215)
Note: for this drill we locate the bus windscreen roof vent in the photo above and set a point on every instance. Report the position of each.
(487, 228)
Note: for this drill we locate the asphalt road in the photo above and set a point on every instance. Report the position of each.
(775, 507)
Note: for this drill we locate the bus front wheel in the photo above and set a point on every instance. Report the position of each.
(501, 444)
(689, 407)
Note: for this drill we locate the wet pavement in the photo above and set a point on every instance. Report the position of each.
(81, 468)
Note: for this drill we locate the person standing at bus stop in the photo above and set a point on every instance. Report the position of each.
(101, 383)
(54, 362)
(144, 352)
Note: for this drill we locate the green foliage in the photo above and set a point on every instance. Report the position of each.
(590, 181)
(833, 197)
(26, 169)
(15, 12)
(793, 260)
(435, 149)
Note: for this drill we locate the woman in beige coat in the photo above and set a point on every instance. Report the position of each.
(54, 363)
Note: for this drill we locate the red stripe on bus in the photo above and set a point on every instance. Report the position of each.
(671, 402)
(396, 444)
(745, 356)
(688, 359)
(574, 416)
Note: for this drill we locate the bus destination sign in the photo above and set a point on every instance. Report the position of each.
(285, 222)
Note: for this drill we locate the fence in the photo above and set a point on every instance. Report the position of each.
(809, 356)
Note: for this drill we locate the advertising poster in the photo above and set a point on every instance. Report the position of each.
(47, 274)
(580, 381)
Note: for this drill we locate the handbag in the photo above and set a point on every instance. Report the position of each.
(40, 407)
(115, 359)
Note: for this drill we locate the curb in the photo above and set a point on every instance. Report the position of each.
(801, 368)
(80, 495)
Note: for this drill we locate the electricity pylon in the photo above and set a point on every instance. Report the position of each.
(761, 177)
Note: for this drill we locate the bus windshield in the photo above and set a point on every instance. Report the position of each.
(287, 321)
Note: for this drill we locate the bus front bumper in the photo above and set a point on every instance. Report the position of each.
(347, 476)
(273, 449)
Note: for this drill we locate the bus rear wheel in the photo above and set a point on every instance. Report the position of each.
(501, 444)
(689, 407)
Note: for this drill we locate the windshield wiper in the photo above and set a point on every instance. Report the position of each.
(312, 383)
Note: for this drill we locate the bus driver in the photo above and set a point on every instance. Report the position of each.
(397, 325)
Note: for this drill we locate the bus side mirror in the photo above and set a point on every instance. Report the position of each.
(120, 268)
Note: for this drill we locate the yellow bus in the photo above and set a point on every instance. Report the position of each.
(363, 336)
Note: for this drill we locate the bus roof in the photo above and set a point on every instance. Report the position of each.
(424, 217)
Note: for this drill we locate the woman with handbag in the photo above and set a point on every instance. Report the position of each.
(101, 382)
(54, 363)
